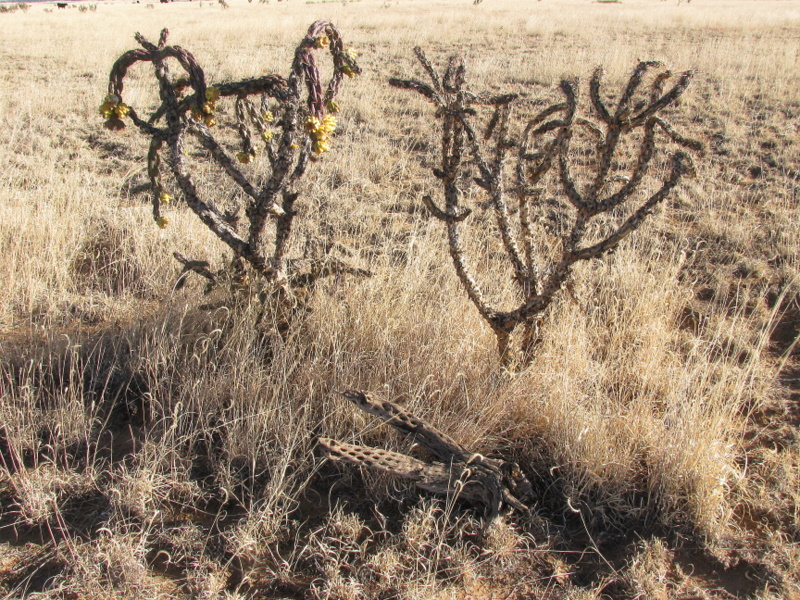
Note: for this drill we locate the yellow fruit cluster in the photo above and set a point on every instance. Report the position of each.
(114, 109)
(114, 106)
(346, 69)
(206, 113)
(320, 132)
(267, 117)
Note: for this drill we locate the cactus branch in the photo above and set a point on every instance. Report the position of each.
(494, 485)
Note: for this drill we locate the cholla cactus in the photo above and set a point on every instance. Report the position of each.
(293, 119)
(543, 145)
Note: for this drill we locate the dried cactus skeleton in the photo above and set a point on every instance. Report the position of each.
(294, 127)
(542, 146)
(489, 483)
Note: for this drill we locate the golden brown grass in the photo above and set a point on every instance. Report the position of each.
(151, 449)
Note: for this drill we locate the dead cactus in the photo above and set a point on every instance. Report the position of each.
(542, 145)
(489, 483)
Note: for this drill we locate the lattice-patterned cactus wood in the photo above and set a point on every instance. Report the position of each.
(492, 484)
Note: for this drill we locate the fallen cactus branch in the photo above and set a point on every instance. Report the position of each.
(492, 484)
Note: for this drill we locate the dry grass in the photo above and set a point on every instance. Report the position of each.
(152, 449)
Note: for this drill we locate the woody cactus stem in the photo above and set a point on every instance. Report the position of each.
(294, 123)
(542, 146)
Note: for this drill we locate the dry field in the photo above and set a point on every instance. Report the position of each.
(151, 448)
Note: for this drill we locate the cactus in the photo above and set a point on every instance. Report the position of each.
(541, 147)
(294, 120)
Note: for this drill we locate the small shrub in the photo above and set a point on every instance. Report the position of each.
(9, 8)
(106, 259)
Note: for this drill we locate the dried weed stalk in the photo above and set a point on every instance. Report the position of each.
(294, 120)
(543, 145)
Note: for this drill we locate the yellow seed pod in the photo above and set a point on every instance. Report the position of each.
(267, 136)
(212, 94)
(122, 110)
(328, 124)
(209, 121)
(267, 116)
(244, 157)
(351, 53)
(294, 146)
(162, 222)
(165, 198)
(209, 107)
(312, 124)
(322, 41)
(197, 114)
(321, 145)
(348, 71)
(333, 107)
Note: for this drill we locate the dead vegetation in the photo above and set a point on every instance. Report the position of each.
(150, 448)
(537, 153)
